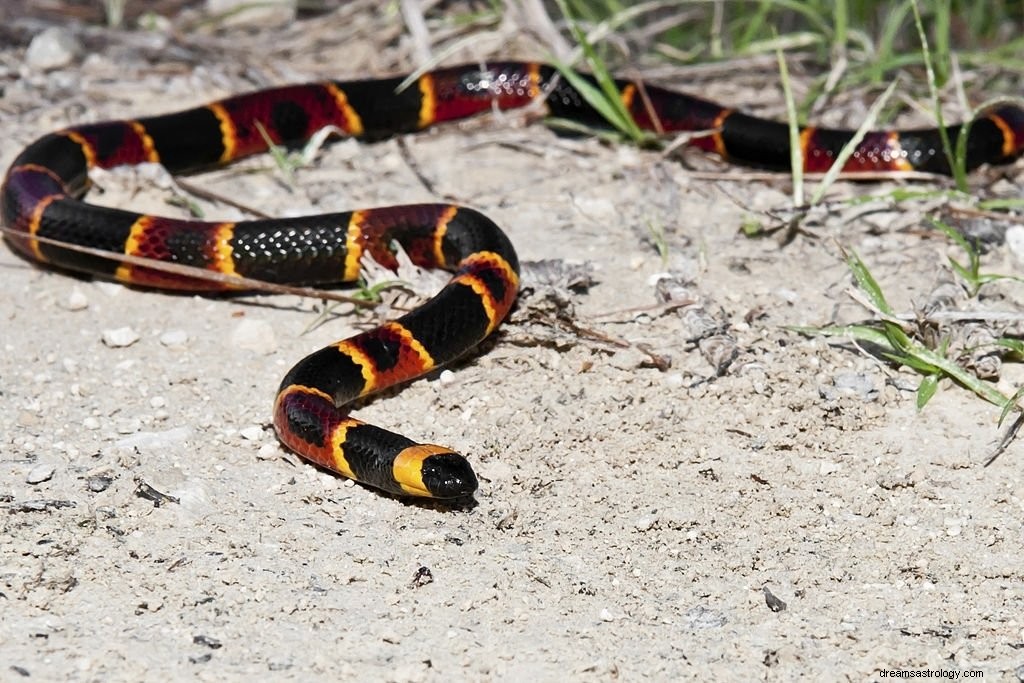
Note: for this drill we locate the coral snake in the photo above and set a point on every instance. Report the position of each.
(42, 197)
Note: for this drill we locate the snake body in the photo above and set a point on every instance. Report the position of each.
(42, 197)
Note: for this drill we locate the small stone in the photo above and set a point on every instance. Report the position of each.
(53, 48)
(256, 336)
(77, 301)
(268, 451)
(645, 522)
(98, 483)
(40, 473)
(120, 337)
(1015, 241)
(252, 433)
(856, 383)
(174, 338)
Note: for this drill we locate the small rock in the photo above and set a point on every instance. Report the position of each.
(77, 301)
(252, 433)
(120, 337)
(849, 384)
(40, 473)
(1015, 241)
(774, 603)
(645, 522)
(858, 383)
(98, 483)
(51, 49)
(268, 451)
(174, 338)
(256, 336)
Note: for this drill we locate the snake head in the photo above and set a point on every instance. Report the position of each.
(434, 472)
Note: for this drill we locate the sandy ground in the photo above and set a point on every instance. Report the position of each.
(642, 514)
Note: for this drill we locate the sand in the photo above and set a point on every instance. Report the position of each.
(673, 483)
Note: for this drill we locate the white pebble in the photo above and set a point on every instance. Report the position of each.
(446, 378)
(120, 337)
(51, 49)
(256, 336)
(268, 451)
(1015, 241)
(157, 402)
(252, 433)
(77, 301)
(174, 338)
(646, 522)
(954, 525)
(40, 473)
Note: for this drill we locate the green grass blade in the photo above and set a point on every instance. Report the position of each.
(796, 158)
(850, 147)
(957, 164)
(606, 98)
(926, 389)
(1010, 405)
(867, 283)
